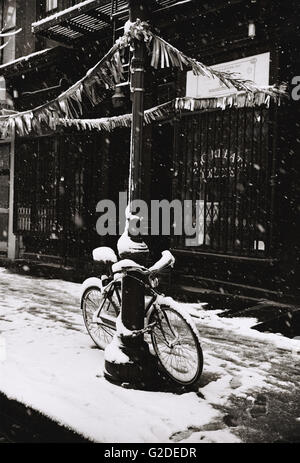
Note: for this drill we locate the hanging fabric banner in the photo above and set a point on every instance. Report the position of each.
(164, 55)
(110, 123)
(109, 71)
(102, 77)
(169, 110)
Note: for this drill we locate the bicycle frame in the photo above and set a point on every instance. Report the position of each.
(110, 289)
(110, 323)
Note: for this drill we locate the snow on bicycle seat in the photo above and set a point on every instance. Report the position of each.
(105, 255)
(124, 264)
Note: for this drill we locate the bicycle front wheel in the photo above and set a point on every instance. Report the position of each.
(99, 313)
(176, 346)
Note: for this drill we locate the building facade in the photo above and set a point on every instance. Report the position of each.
(239, 167)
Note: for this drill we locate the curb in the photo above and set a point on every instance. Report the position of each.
(22, 424)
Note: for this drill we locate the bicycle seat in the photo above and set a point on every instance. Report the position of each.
(105, 255)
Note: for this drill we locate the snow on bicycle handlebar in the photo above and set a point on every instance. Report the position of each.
(167, 260)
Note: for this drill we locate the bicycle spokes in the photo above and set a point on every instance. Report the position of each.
(176, 346)
(95, 307)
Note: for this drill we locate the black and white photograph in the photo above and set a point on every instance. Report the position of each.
(149, 224)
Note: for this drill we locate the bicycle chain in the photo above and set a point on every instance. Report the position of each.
(136, 333)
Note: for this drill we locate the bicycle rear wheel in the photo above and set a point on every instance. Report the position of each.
(107, 306)
(176, 346)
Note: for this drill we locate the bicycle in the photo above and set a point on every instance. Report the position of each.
(169, 327)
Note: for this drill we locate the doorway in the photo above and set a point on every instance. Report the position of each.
(161, 176)
(4, 196)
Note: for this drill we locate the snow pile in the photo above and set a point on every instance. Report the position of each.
(240, 326)
(57, 372)
(222, 435)
(51, 365)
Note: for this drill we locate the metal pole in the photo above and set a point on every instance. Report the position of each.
(137, 88)
(138, 367)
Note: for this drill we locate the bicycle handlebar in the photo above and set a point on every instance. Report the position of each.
(167, 260)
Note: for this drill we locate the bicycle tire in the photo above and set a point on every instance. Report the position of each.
(91, 300)
(189, 368)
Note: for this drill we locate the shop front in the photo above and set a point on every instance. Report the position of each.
(228, 163)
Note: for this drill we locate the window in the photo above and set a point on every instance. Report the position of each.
(8, 24)
(51, 5)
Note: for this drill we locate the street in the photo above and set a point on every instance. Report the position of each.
(249, 391)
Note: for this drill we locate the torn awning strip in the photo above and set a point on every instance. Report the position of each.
(170, 109)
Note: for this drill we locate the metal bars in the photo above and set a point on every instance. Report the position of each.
(227, 173)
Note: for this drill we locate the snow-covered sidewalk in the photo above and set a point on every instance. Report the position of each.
(51, 365)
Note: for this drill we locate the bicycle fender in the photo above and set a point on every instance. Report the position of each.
(91, 282)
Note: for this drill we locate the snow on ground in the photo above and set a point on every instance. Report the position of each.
(52, 365)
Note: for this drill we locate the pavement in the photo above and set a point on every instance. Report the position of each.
(250, 388)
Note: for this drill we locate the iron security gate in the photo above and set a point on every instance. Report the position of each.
(50, 187)
(225, 165)
(59, 181)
